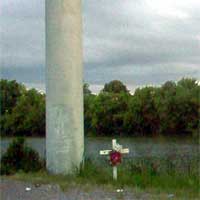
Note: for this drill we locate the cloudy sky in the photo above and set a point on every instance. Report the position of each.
(140, 42)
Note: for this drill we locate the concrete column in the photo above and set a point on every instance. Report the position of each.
(64, 87)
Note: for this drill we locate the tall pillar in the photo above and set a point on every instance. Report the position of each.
(64, 87)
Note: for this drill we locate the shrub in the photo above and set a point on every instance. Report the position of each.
(20, 157)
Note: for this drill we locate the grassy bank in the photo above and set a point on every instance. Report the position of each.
(173, 174)
(140, 175)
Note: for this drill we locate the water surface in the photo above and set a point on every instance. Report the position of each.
(139, 147)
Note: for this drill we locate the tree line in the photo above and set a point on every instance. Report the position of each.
(22, 110)
(171, 109)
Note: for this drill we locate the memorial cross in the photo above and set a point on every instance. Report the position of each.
(115, 155)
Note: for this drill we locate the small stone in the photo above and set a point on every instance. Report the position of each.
(28, 189)
(170, 195)
(37, 185)
(49, 187)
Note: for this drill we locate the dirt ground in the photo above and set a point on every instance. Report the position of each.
(17, 190)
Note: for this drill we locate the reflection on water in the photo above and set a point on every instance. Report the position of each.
(139, 147)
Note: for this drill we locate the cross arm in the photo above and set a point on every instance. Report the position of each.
(124, 150)
(105, 152)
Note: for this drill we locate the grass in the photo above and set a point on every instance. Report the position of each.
(142, 175)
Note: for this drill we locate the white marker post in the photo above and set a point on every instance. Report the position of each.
(118, 148)
(115, 172)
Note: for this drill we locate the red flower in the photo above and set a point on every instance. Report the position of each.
(115, 158)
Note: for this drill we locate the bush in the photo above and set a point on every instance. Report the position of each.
(20, 157)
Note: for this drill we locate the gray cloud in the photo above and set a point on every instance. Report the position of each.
(134, 41)
(22, 40)
(131, 42)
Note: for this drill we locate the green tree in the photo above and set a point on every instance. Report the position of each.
(188, 105)
(108, 113)
(86, 90)
(188, 83)
(115, 86)
(20, 157)
(142, 118)
(10, 91)
(178, 106)
(28, 116)
(88, 115)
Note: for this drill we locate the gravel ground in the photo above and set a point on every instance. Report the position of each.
(17, 190)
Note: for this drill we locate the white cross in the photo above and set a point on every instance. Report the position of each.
(116, 147)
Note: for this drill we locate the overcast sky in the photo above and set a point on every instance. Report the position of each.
(140, 42)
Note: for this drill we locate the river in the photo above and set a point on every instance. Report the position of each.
(139, 147)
